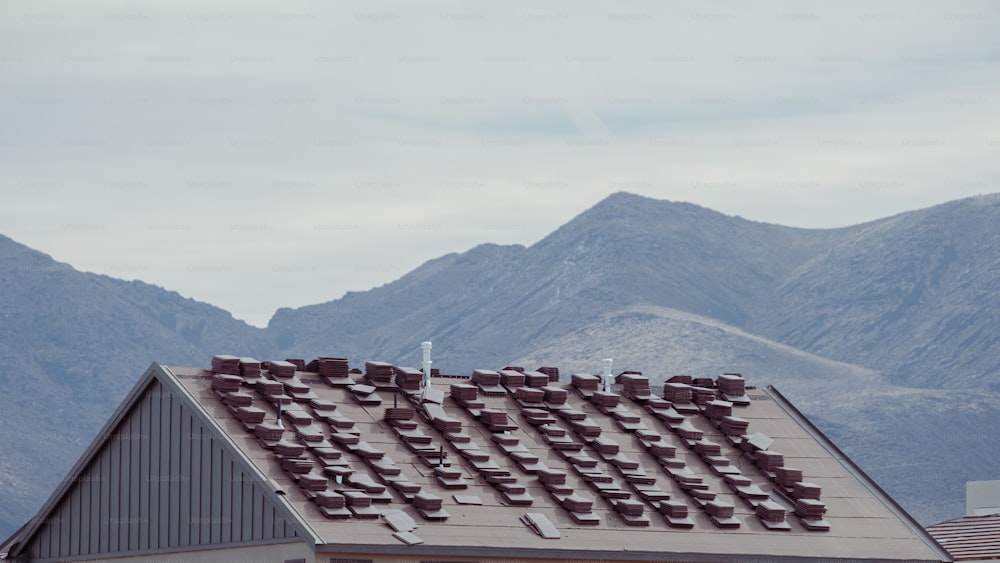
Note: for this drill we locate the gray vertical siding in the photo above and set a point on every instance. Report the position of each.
(161, 480)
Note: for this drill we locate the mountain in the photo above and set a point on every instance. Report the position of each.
(882, 332)
(915, 296)
(71, 345)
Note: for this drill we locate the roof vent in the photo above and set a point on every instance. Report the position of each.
(606, 376)
(426, 347)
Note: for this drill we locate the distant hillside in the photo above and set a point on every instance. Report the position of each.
(71, 345)
(884, 333)
(916, 296)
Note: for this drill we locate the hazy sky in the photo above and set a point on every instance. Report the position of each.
(258, 155)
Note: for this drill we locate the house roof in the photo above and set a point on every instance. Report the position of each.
(515, 463)
(969, 538)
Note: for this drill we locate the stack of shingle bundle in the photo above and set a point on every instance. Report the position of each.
(772, 515)
(295, 414)
(586, 427)
(605, 446)
(365, 395)
(688, 431)
(237, 399)
(702, 395)
(394, 414)
(268, 434)
(706, 382)
(380, 374)
(511, 379)
(281, 368)
(313, 481)
(299, 363)
(296, 465)
(225, 383)
(409, 379)
(287, 448)
(585, 384)
(581, 509)
(296, 389)
(732, 387)
(554, 396)
(734, 426)
(223, 363)
(636, 387)
(721, 513)
(551, 477)
(529, 396)
(806, 490)
(440, 419)
(488, 382)
(334, 371)
(496, 420)
(605, 401)
(536, 379)
(675, 513)
(450, 478)
(249, 415)
(537, 417)
(360, 504)
(249, 368)
(552, 372)
(429, 506)
(631, 512)
(717, 409)
(787, 476)
(514, 493)
(810, 513)
(466, 395)
(310, 433)
(331, 504)
(768, 461)
(705, 447)
(677, 393)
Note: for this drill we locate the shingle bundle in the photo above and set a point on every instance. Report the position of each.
(250, 415)
(225, 383)
(329, 499)
(810, 508)
(787, 476)
(237, 399)
(529, 395)
(605, 446)
(734, 425)
(229, 365)
(702, 395)
(287, 448)
(577, 503)
(330, 367)
(270, 387)
(706, 447)
(721, 513)
(488, 382)
(629, 507)
(409, 379)
(380, 374)
(552, 372)
(393, 414)
(554, 395)
(635, 386)
(586, 427)
(495, 419)
(429, 506)
(511, 379)
(716, 409)
(549, 476)
(249, 368)
(585, 383)
(463, 392)
(606, 400)
(769, 461)
(296, 465)
(536, 379)
(772, 515)
(312, 481)
(280, 368)
(731, 384)
(269, 431)
(804, 490)
(677, 392)
(537, 417)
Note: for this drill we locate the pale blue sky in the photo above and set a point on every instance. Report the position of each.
(257, 155)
